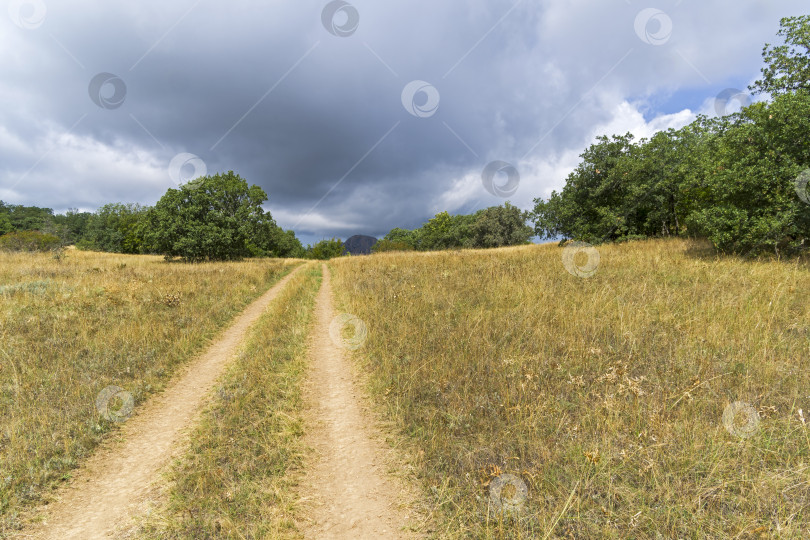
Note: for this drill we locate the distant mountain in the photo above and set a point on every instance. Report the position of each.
(359, 244)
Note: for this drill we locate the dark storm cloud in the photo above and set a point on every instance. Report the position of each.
(318, 120)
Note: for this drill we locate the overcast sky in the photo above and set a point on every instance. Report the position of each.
(354, 117)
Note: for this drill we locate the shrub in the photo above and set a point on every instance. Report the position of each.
(29, 241)
(391, 245)
(326, 249)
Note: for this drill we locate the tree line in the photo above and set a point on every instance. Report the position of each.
(496, 226)
(216, 217)
(739, 180)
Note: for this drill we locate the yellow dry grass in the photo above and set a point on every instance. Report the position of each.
(236, 480)
(603, 396)
(73, 326)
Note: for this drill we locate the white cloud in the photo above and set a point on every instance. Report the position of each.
(627, 117)
(61, 170)
(544, 174)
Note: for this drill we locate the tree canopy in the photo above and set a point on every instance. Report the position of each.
(496, 226)
(787, 66)
(211, 218)
(730, 179)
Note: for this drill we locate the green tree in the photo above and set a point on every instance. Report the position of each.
(787, 66)
(5, 223)
(500, 226)
(116, 228)
(286, 245)
(326, 249)
(403, 237)
(27, 218)
(444, 231)
(211, 218)
(750, 204)
(72, 225)
(655, 172)
(592, 204)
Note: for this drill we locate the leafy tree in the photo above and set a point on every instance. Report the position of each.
(116, 228)
(444, 231)
(326, 249)
(787, 66)
(403, 237)
(286, 245)
(750, 204)
(491, 227)
(26, 218)
(5, 223)
(500, 226)
(592, 204)
(657, 173)
(210, 218)
(72, 226)
(69, 227)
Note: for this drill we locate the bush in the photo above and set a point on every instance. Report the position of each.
(29, 241)
(116, 228)
(500, 226)
(391, 245)
(496, 226)
(326, 249)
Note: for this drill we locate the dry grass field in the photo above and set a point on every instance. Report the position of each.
(661, 393)
(73, 327)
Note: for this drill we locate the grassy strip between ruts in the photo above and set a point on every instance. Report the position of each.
(234, 481)
(75, 325)
(664, 396)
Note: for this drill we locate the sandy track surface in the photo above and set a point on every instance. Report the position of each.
(346, 490)
(114, 483)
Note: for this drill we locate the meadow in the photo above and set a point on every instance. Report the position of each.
(85, 338)
(657, 391)
(661, 392)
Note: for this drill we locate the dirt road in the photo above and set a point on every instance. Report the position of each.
(346, 489)
(111, 487)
